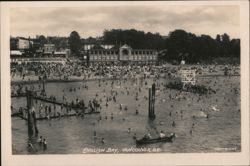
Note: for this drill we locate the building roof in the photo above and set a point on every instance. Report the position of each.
(117, 47)
(60, 52)
(126, 46)
(97, 47)
(15, 52)
(49, 44)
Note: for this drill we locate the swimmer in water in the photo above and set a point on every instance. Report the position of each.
(136, 112)
(40, 140)
(44, 144)
(129, 130)
(173, 124)
(30, 145)
(102, 141)
(134, 137)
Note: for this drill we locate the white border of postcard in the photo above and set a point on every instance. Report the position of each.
(235, 158)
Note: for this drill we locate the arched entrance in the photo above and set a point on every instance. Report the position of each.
(124, 54)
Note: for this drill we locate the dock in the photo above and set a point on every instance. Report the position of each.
(49, 100)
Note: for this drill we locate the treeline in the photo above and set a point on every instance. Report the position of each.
(192, 48)
(136, 39)
(178, 45)
(59, 42)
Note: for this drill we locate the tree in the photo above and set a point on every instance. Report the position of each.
(13, 43)
(42, 40)
(225, 38)
(75, 43)
(63, 43)
(136, 39)
(226, 44)
(181, 44)
(235, 47)
(218, 38)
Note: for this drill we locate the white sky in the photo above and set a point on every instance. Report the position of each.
(93, 20)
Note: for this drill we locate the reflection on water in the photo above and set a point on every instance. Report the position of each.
(218, 133)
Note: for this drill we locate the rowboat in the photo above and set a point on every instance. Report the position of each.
(155, 140)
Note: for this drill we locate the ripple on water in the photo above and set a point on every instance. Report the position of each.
(71, 135)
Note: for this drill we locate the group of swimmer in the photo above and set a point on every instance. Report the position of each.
(41, 142)
(114, 98)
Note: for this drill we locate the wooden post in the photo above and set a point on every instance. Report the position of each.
(32, 127)
(43, 90)
(151, 101)
(43, 85)
(29, 107)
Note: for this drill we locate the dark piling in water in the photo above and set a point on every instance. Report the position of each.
(151, 111)
(32, 127)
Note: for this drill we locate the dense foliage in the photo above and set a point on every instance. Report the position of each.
(75, 43)
(192, 48)
(136, 39)
(178, 45)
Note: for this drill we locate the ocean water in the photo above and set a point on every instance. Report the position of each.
(221, 132)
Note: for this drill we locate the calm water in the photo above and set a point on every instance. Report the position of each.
(219, 133)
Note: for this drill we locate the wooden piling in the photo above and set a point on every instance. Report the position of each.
(153, 101)
(32, 127)
(43, 90)
(151, 104)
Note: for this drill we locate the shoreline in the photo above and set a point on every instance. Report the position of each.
(61, 80)
(14, 82)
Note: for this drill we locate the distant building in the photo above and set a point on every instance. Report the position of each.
(87, 47)
(183, 62)
(62, 53)
(107, 46)
(67, 52)
(124, 55)
(23, 44)
(49, 48)
(16, 53)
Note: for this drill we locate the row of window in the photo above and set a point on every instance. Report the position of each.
(95, 57)
(116, 52)
(104, 52)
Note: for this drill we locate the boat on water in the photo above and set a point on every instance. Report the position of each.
(155, 140)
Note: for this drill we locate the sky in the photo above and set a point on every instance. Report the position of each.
(93, 20)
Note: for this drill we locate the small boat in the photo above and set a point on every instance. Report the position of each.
(155, 140)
